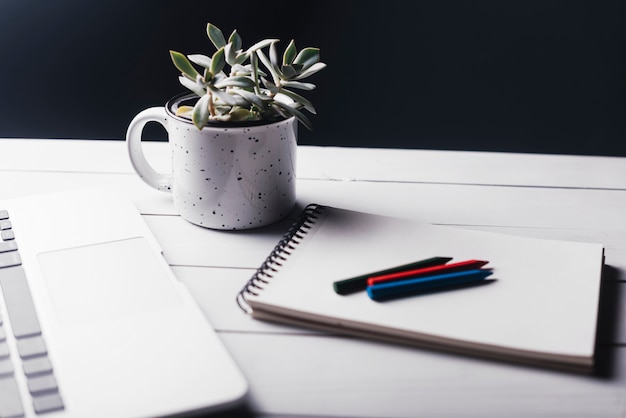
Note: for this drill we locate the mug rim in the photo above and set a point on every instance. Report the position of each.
(175, 102)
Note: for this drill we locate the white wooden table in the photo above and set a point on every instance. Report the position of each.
(298, 372)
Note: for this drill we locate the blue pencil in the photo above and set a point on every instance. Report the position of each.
(410, 286)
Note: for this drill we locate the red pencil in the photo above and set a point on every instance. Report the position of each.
(426, 271)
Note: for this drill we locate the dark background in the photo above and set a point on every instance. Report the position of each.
(527, 76)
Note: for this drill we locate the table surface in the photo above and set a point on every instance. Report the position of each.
(293, 371)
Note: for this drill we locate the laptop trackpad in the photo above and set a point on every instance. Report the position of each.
(105, 281)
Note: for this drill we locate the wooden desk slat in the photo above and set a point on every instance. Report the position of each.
(338, 376)
(336, 163)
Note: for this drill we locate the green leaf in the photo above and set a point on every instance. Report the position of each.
(239, 81)
(299, 99)
(185, 111)
(239, 114)
(235, 39)
(201, 60)
(311, 70)
(200, 115)
(215, 35)
(299, 85)
(295, 112)
(273, 69)
(239, 69)
(229, 99)
(251, 97)
(182, 63)
(193, 86)
(269, 85)
(260, 45)
(274, 55)
(220, 111)
(307, 57)
(218, 61)
(217, 77)
(288, 72)
(231, 54)
(290, 53)
(241, 58)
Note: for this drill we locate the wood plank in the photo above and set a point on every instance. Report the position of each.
(580, 215)
(588, 215)
(15, 184)
(87, 156)
(215, 289)
(475, 205)
(335, 376)
(433, 203)
(462, 167)
(344, 164)
(186, 244)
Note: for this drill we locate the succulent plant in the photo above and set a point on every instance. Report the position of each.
(247, 92)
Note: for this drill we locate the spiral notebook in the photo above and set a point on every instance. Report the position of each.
(542, 307)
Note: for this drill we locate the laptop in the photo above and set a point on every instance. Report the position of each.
(93, 321)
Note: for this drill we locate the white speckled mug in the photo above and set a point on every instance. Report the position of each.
(224, 176)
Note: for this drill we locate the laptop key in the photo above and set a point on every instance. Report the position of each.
(10, 403)
(42, 384)
(19, 302)
(10, 259)
(7, 235)
(47, 403)
(36, 366)
(4, 214)
(6, 246)
(6, 367)
(31, 347)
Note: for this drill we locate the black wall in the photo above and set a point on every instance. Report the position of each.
(529, 76)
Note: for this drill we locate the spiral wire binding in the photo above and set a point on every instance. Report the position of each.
(285, 247)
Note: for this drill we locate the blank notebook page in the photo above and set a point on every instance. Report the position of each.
(544, 300)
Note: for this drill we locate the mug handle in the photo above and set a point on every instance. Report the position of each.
(145, 171)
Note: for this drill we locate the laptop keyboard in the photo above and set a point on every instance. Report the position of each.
(31, 358)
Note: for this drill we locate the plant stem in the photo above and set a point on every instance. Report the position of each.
(211, 106)
(255, 72)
